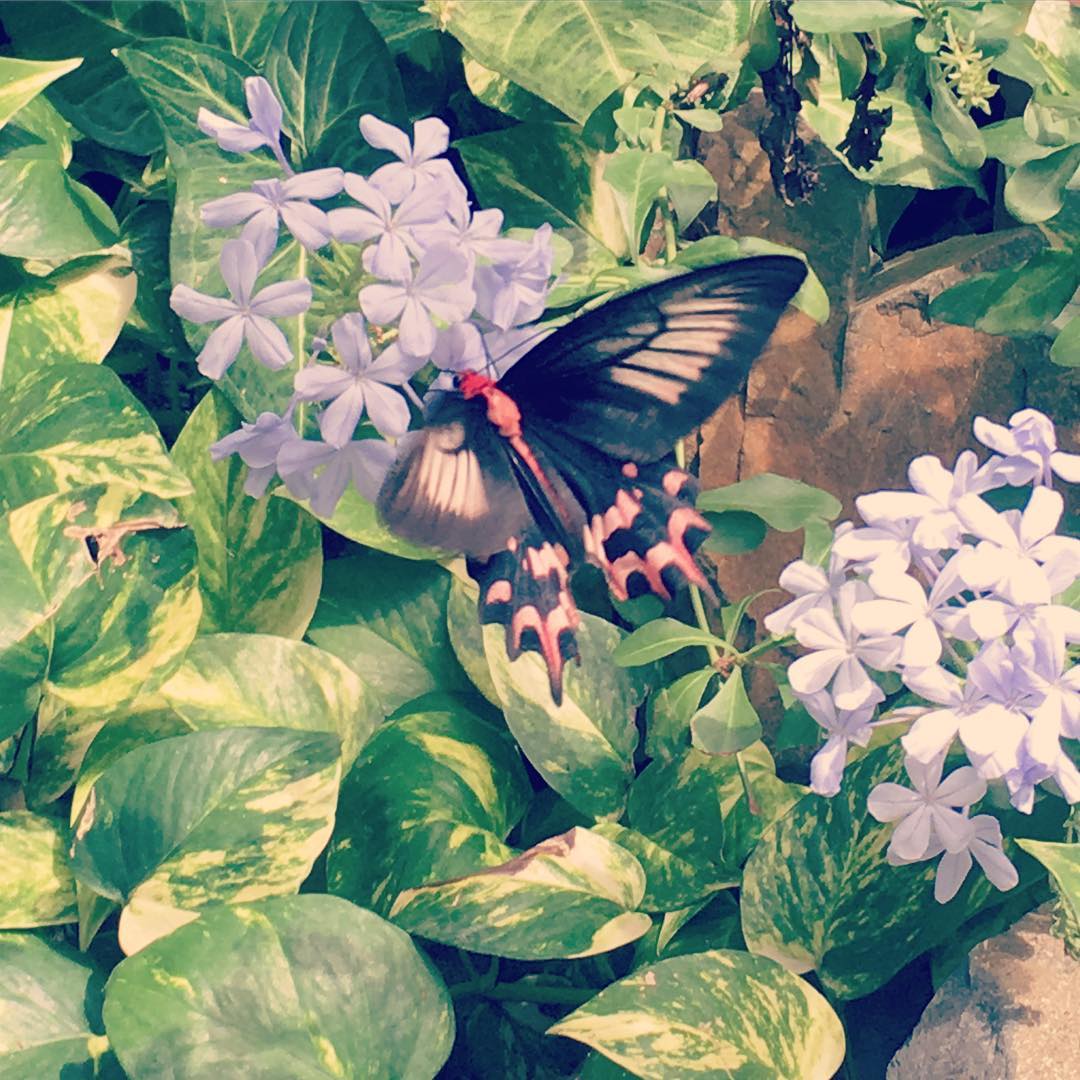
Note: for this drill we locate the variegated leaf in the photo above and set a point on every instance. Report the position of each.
(571, 896)
(712, 1014)
(214, 816)
(256, 680)
(431, 797)
(260, 560)
(386, 619)
(584, 747)
(69, 426)
(1063, 862)
(695, 806)
(817, 893)
(467, 637)
(22, 80)
(75, 313)
(47, 996)
(304, 987)
(36, 884)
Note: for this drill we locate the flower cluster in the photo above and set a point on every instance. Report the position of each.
(424, 280)
(960, 601)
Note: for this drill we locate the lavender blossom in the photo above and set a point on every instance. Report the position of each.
(243, 317)
(320, 473)
(418, 160)
(263, 129)
(929, 814)
(441, 289)
(811, 586)
(1028, 449)
(512, 291)
(359, 384)
(270, 202)
(258, 445)
(843, 727)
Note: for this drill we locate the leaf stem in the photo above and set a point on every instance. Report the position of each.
(298, 346)
(695, 592)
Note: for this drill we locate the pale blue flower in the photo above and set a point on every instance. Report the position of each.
(441, 290)
(263, 129)
(243, 317)
(320, 473)
(1018, 550)
(842, 727)
(929, 815)
(1053, 686)
(902, 604)
(272, 201)
(811, 586)
(258, 445)
(360, 384)
(513, 291)
(1028, 449)
(398, 230)
(839, 653)
(985, 844)
(931, 503)
(986, 710)
(418, 159)
(1030, 772)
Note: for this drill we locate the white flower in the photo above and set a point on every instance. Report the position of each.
(1029, 449)
(927, 814)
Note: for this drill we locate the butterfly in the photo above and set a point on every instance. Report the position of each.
(566, 458)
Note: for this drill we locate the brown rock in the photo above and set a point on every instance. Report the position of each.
(1010, 1016)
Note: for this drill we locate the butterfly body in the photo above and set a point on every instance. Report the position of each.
(562, 460)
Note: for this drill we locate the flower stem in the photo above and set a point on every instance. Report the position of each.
(298, 345)
(695, 592)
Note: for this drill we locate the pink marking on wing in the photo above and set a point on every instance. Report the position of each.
(499, 593)
(673, 481)
(630, 470)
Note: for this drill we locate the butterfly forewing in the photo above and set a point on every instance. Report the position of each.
(641, 371)
(452, 486)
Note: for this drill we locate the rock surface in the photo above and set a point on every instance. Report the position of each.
(1013, 1015)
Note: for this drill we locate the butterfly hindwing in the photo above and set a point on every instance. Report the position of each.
(452, 485)
(645, 368)
(526, 589)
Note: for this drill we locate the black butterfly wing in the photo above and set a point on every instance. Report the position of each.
(642, 370)
(452, 485)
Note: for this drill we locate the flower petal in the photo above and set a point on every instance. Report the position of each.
(383, 304)
(888, 802)
(228, 134)
(263, 107)
(338, 421)
(222, 347)
(239, 267)
(231, 209)
(197, 307)
(307, 223)
(267, 343)
(314, 184)
(388, 410)
(951, 872)
(431, 137)
(283, 299)
(384, 136)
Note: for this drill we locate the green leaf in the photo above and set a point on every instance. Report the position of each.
(1036, 191)
(838, 16)
(98, 97)
(637, 177)
(671, 881)
(667, 731)
(537, 173)
(47, 215)
(126, 628)
(1011, 144)
(177, 77)
(690, 188)
(658, 639)
(387, 619)
(571, 896)
(583, 748)
(75, 313)
(702, 119)
(255, 680)
(431, 797)
(36, 886)
(71, 425)
(785, 504)
(1063, 862)
(36, 131)
(22, 80)
(215, 816)
(527, 42)
(245, 30)
(274, 986)
(696, 806)
(735, 532)
(959, 131)
(818, 894)
(260, 560)
(329, 67)
(498, 92)
(50, 1023)
(1019, 299)
(913, 153)
(728, 722)
(1066, 348)
(719, 1014)
(467, 638)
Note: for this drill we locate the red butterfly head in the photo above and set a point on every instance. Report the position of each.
(473, 384)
